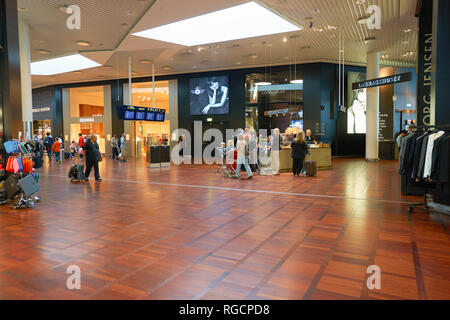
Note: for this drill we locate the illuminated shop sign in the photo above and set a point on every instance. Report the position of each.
(404, 77)
(44, 109)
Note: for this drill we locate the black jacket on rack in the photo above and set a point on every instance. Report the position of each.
(441, 170)
(406, 165)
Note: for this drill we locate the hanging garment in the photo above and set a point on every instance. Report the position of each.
(422, 156)
(437, 154)
(418, 149)
(429, 153)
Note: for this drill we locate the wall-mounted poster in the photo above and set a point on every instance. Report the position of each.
(209, 96)
(357, 105)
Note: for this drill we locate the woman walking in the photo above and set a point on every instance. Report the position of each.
(299, 150)
(242, 157)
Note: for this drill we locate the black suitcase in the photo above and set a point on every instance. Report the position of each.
(11, 187)
(80, 172)
(66, 155)
(76, 172)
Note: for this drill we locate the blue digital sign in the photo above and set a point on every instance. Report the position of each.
(141, 113)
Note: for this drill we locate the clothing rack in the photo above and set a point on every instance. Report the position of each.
(425, 205)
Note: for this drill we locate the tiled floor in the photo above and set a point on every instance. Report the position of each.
(188, 233)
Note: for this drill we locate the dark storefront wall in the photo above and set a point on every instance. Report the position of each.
(49, 98)
(320, 89)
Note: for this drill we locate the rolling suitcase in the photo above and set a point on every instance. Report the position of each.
(76, 172)
(310, 166)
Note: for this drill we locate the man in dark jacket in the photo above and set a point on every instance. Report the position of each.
(48, 144)
(92, 155)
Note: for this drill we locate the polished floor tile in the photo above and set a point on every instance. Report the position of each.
(188, 233)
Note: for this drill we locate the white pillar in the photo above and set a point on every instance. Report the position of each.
(25, 76)
(373, 72)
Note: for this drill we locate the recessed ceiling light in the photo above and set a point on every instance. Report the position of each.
(21, 9)
(61, 65)
(285, 39)
(238, 63)
(166, 68)
(145, 61)
(370, 39)
(239, 22)
(253, 56)
(43, 51)
(107, 67)
(297, 81)
(407, 30)
(77, 72)
(405, 42)
(263, 83)
(316, 11)
(360, 1)
(83, 43)
(63, 8)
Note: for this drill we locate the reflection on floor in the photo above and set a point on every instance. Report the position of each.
(188, 233)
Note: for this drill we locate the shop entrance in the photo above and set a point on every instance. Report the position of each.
(42, 127)
(148, 134)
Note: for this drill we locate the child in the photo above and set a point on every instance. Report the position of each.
(73, 149)
(56, 149)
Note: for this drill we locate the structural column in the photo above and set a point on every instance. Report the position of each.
(25, 76)
(373, 71)
(10, 93)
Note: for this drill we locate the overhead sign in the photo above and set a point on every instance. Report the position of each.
(403, 77)
(141, 113)
(44, 109)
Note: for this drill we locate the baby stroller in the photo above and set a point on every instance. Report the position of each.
(229, 160)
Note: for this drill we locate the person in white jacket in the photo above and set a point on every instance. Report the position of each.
(123, 148)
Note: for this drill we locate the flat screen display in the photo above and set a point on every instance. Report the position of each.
(209, 96)
(151, 116)
(160, 117)
(140, 115)
(357, 105)
(129, 115)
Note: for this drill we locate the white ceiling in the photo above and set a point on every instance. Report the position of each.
(108, 25)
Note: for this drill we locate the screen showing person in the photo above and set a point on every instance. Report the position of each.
(357, 105)
(209, 96)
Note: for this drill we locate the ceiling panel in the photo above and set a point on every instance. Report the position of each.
(323, 21)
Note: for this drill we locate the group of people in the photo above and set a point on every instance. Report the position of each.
(247, 144)
(118, 146)
(51, 145)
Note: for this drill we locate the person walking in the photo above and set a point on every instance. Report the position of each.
(299, 151)
(275, 151)
(242, 157)
(93, 157)
(56, 149)
(123, 147)
(81, 144)
(115, 147)
(37, 136)
(48, 144)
